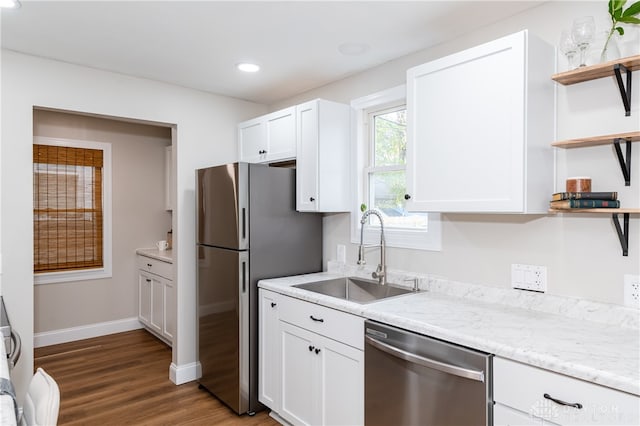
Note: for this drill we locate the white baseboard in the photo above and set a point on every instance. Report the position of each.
(180, 374)
(85, 332)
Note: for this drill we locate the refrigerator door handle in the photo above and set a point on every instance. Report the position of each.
(244, 277)
(244, 223)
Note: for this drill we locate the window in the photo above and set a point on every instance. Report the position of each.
(70, 215)
(381, 154)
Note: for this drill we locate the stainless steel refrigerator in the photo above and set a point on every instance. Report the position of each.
(247, 230)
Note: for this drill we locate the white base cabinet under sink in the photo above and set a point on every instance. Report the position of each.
(311, 362)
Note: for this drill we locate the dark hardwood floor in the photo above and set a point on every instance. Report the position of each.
(124, 379)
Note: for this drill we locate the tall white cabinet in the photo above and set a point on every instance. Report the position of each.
(322, 178)
(479, 124)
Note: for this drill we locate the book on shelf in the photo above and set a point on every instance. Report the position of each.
(585, 204)
(584, 196)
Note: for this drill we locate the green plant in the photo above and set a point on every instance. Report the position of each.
(620, 15)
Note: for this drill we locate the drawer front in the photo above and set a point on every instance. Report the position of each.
(158, 267)
(331, 323)
(523, 387)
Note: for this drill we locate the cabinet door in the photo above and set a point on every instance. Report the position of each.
(169, 310)
(507, 416)
(307, 156)
(144, 298)
(341, 384)
(157, 304)
(466, 130)
(298, 367)
(269, 350)
(281, 134)
(252, 140)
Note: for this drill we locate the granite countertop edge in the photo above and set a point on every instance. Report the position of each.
(161, 255)
(598, 353)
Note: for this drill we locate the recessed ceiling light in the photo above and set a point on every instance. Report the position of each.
(353, 49)
(248, 67)
(10, 4)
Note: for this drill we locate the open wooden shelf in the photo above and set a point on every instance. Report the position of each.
(621, 229)
(600, 211)
(597, 140)
(593, 72)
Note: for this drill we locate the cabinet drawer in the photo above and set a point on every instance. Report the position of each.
(158, 267)
(331, 323)
(523, 387)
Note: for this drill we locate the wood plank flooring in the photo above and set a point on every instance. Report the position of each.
(123, 379)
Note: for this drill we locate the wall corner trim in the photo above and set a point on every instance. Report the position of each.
(184, 373)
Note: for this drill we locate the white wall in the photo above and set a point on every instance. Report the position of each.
(582, 253)
(205, 135)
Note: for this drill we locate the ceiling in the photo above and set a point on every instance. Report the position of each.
(197, 44)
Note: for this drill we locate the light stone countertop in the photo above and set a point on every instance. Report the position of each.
(545, 331)
(161, 255)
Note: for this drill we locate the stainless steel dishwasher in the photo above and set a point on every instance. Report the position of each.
(411, 379)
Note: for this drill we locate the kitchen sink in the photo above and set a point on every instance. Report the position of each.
(354, 289)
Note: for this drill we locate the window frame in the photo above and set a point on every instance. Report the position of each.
(94, 273)
(394, 237)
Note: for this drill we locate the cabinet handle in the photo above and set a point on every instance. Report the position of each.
(148, 280)
(149, 265)
(316, 319)
(311, 348)
(273, 304)
(312, 199)
(558, 401)
(407, 196)
(317, 351)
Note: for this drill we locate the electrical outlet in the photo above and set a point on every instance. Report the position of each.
(529, 277)
(632, 290)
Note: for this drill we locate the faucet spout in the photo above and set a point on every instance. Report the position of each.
(381, 271)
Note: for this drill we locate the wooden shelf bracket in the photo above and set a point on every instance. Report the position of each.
(624, 93)
(623, 235)
(625, 163)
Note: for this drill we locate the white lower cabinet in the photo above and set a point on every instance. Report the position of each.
(526, 395)
(269, 350)
(320, 368)
(157, 297)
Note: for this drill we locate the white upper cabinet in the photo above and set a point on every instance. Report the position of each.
(268, 138)
(322, 176)
(479, 126)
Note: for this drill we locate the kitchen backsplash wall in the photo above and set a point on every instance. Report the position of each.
(581, 252)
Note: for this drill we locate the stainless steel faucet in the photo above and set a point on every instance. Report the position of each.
(381, 272)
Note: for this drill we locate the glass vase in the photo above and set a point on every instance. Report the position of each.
(610, 50)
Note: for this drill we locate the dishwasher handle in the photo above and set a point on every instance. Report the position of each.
(17, 349)
(426, 362)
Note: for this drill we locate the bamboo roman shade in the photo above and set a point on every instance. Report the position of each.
(67, 208)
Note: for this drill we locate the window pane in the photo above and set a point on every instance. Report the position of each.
(387, 191)
(68, 216)
(390, 142)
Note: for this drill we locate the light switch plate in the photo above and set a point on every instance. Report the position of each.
(529, 277)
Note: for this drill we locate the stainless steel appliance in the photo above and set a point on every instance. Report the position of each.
(247, 230)
(411, 379)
